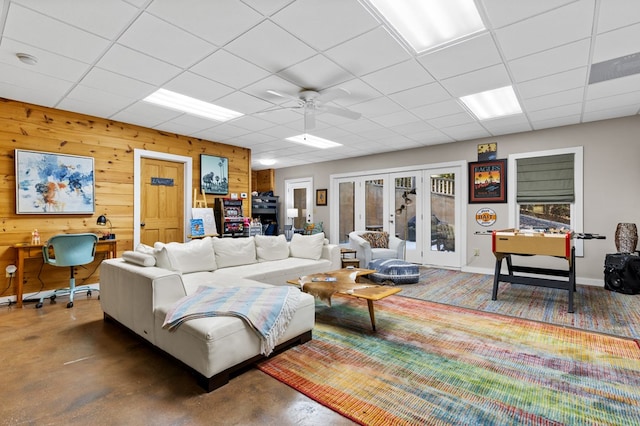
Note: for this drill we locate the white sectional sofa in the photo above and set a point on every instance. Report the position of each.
(138, 290)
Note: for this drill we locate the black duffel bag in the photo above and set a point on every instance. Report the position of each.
(622, 273)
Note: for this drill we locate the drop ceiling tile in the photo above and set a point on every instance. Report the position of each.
(127, 62)
(396, 119)
(607, 114)
(113, 17)
(254, 124)
(359, 92)
(526, 37)
(369, 52)
(49, 63)
(560, 111)
(88, 107)
(616, 43)
(631, 99)
(276, 83)
(505, 12)
(616, 86)
(377, 107)
(145, 114)
(228, 69)
(460, 58)
(451, 120)
(217, 22)
(53, 88)
(164, 41)
(554, 99)
(439, 109)
(512, 124)
(477, 81)
(258, 44)
(554, 83)
(423, 95)
(556, 122)
(315, 73)
(466, 131)
(198, 87)
(47, 96)
(552, 61)
(52, 35)
(221, 132)
(396, 78)
(617, 13)
(411, 128)
(99, 78)
(192, 122)
(89, 95)
(241, 102)
(324, 24)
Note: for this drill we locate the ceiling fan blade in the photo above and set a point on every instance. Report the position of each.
(331, 94)
(342, 112)
(284, 95)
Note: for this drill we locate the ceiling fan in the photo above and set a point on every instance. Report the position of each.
(313, 102)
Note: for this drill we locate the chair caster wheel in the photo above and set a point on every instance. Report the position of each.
(70, 305)
(88, 294)
(38, 305)
(53, 298)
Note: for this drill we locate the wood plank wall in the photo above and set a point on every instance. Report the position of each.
(111, 144)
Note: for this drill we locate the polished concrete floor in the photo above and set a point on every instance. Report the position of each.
(68, 366)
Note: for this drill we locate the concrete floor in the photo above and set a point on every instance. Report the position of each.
(68, 366)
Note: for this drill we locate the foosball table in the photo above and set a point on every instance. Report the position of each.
(508, 242)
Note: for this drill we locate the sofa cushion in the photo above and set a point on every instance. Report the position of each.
(194, 256)
(139, 258)
(271, 247)
(234, 251)
(306, 246)
(377, 239)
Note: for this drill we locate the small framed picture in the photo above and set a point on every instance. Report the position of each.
(488, 182)
(321, 197)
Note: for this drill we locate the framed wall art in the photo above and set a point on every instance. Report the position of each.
(50, 183)
(488, 182)
(321, 197)
(214, 174)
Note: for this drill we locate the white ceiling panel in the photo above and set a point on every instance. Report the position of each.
(103, 57)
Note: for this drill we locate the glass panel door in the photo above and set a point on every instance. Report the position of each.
(443, 204)
(375, 204)
(406, 213)
(346, 210)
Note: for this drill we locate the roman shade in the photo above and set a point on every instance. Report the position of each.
(546, 179)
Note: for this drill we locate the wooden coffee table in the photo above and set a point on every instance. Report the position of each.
(346, 283)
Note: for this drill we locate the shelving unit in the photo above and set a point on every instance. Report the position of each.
(266, 209)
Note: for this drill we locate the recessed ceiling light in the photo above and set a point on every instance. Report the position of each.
(176, 101)
(25, 58)
(314, 141)
(267, 161)
(493, 103)
(425, 24)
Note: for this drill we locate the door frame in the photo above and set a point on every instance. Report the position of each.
(298, 183)
(138, 155)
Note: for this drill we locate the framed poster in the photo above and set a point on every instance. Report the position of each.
(488, 182)
(321, 197)
(487, 151)
(50, 183)
(214, 174)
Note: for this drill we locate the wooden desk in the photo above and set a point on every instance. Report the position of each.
(34, 251)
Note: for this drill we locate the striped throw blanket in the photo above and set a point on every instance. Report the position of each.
(267, 310)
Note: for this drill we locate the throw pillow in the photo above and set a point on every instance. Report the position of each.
(377, 239)
(306, 246)
(234, 251)
(139, 258)
(270, 247)
(313, 228)
(194, 256)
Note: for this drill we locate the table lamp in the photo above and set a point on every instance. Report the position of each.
(291, 213)
(102, 221)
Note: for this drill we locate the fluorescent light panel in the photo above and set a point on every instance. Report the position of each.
(176, 101)
(313, 141)
(425, 24)
(493, 103)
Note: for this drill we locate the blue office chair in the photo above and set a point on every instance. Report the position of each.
(69, 250)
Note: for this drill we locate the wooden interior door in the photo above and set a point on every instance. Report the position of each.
(161, 201)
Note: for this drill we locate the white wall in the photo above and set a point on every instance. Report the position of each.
(611, 194)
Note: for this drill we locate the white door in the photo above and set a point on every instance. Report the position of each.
(406, 212)
(444, 225)
(299, 197)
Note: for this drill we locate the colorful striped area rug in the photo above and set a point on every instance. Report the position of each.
(437, 364)
(596, 309)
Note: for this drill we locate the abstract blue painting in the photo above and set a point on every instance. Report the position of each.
(49, 183)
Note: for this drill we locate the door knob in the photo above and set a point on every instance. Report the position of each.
(142, 224)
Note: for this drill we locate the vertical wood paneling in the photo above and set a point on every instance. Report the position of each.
(111, 144)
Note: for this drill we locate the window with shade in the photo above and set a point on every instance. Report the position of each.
(547, 189)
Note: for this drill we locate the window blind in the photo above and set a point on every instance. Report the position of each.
(545, 179)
